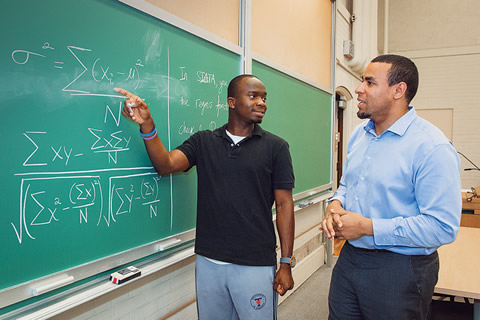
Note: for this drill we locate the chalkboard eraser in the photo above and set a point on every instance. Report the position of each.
(124, 275)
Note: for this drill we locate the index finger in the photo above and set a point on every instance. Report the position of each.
(130, 95)
(124, 92)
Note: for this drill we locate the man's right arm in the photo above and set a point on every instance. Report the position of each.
(163, 161)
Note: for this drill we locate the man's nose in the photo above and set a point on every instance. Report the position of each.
(359, 88)
(261, 102)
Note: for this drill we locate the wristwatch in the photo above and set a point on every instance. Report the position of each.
(289, 260)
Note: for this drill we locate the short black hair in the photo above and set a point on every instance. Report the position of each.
(233, 85)
(402, 70)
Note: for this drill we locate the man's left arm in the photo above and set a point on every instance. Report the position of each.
(438, 196)
(286, 232)
(439, 203)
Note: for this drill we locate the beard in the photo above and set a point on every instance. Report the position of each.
(363, 115)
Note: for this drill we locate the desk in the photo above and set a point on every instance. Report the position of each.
(473, 204)
(460, 267)
(471, 220)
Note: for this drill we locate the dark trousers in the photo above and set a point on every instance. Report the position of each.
(379, 284)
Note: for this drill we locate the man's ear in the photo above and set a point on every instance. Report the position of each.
(400, 90)
(231, 102)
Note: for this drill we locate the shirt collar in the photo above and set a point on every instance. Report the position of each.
(398, 127)
(222, 131)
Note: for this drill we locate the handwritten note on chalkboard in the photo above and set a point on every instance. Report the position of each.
(77, 184)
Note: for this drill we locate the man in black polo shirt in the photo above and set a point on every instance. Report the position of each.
(242, 170)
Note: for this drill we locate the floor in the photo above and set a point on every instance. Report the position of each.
(310, 300)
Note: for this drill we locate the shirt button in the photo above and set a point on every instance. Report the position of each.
(362, 178)
(356, 198)
(368, 158)
(231, 145)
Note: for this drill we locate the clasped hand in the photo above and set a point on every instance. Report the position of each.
(343, 224)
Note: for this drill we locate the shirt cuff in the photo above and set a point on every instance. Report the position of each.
(336, 197)
(383, 232)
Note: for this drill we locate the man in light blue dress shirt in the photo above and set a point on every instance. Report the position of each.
(399, 200)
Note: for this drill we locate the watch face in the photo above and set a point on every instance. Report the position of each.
(293, 261)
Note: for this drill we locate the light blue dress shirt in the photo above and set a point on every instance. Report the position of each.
(407, 180)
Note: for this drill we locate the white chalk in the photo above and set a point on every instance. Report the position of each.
(52, 284)
(164, 245)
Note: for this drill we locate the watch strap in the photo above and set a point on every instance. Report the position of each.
(291, 261)
(285, 260)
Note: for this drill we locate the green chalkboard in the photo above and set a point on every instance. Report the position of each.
(77, 184)
(300, 114)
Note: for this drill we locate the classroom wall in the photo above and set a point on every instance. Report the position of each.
(447, 54)
(218, 17)
(346, 79)
(432, 24)
(295, 36)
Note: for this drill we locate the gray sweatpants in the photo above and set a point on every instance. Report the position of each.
(231, 291)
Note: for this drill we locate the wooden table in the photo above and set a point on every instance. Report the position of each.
(460, 267)
(473, 204)
(471, 220)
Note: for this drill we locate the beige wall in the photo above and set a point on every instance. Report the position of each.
(346, 80)
(441, 118)
(433, 24)
(217, 17)
(445, 45)
(442, 37)
(296, 35)
(452, 81)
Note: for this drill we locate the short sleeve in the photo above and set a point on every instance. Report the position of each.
(190, 148)
(283, 176)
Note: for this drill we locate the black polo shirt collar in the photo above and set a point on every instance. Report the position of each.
(222, 132)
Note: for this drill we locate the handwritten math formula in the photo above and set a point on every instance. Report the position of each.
(115, 189)
(80, 200)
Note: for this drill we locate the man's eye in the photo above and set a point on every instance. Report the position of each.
(264, 99)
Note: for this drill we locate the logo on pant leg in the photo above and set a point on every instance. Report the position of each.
(258, 301)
